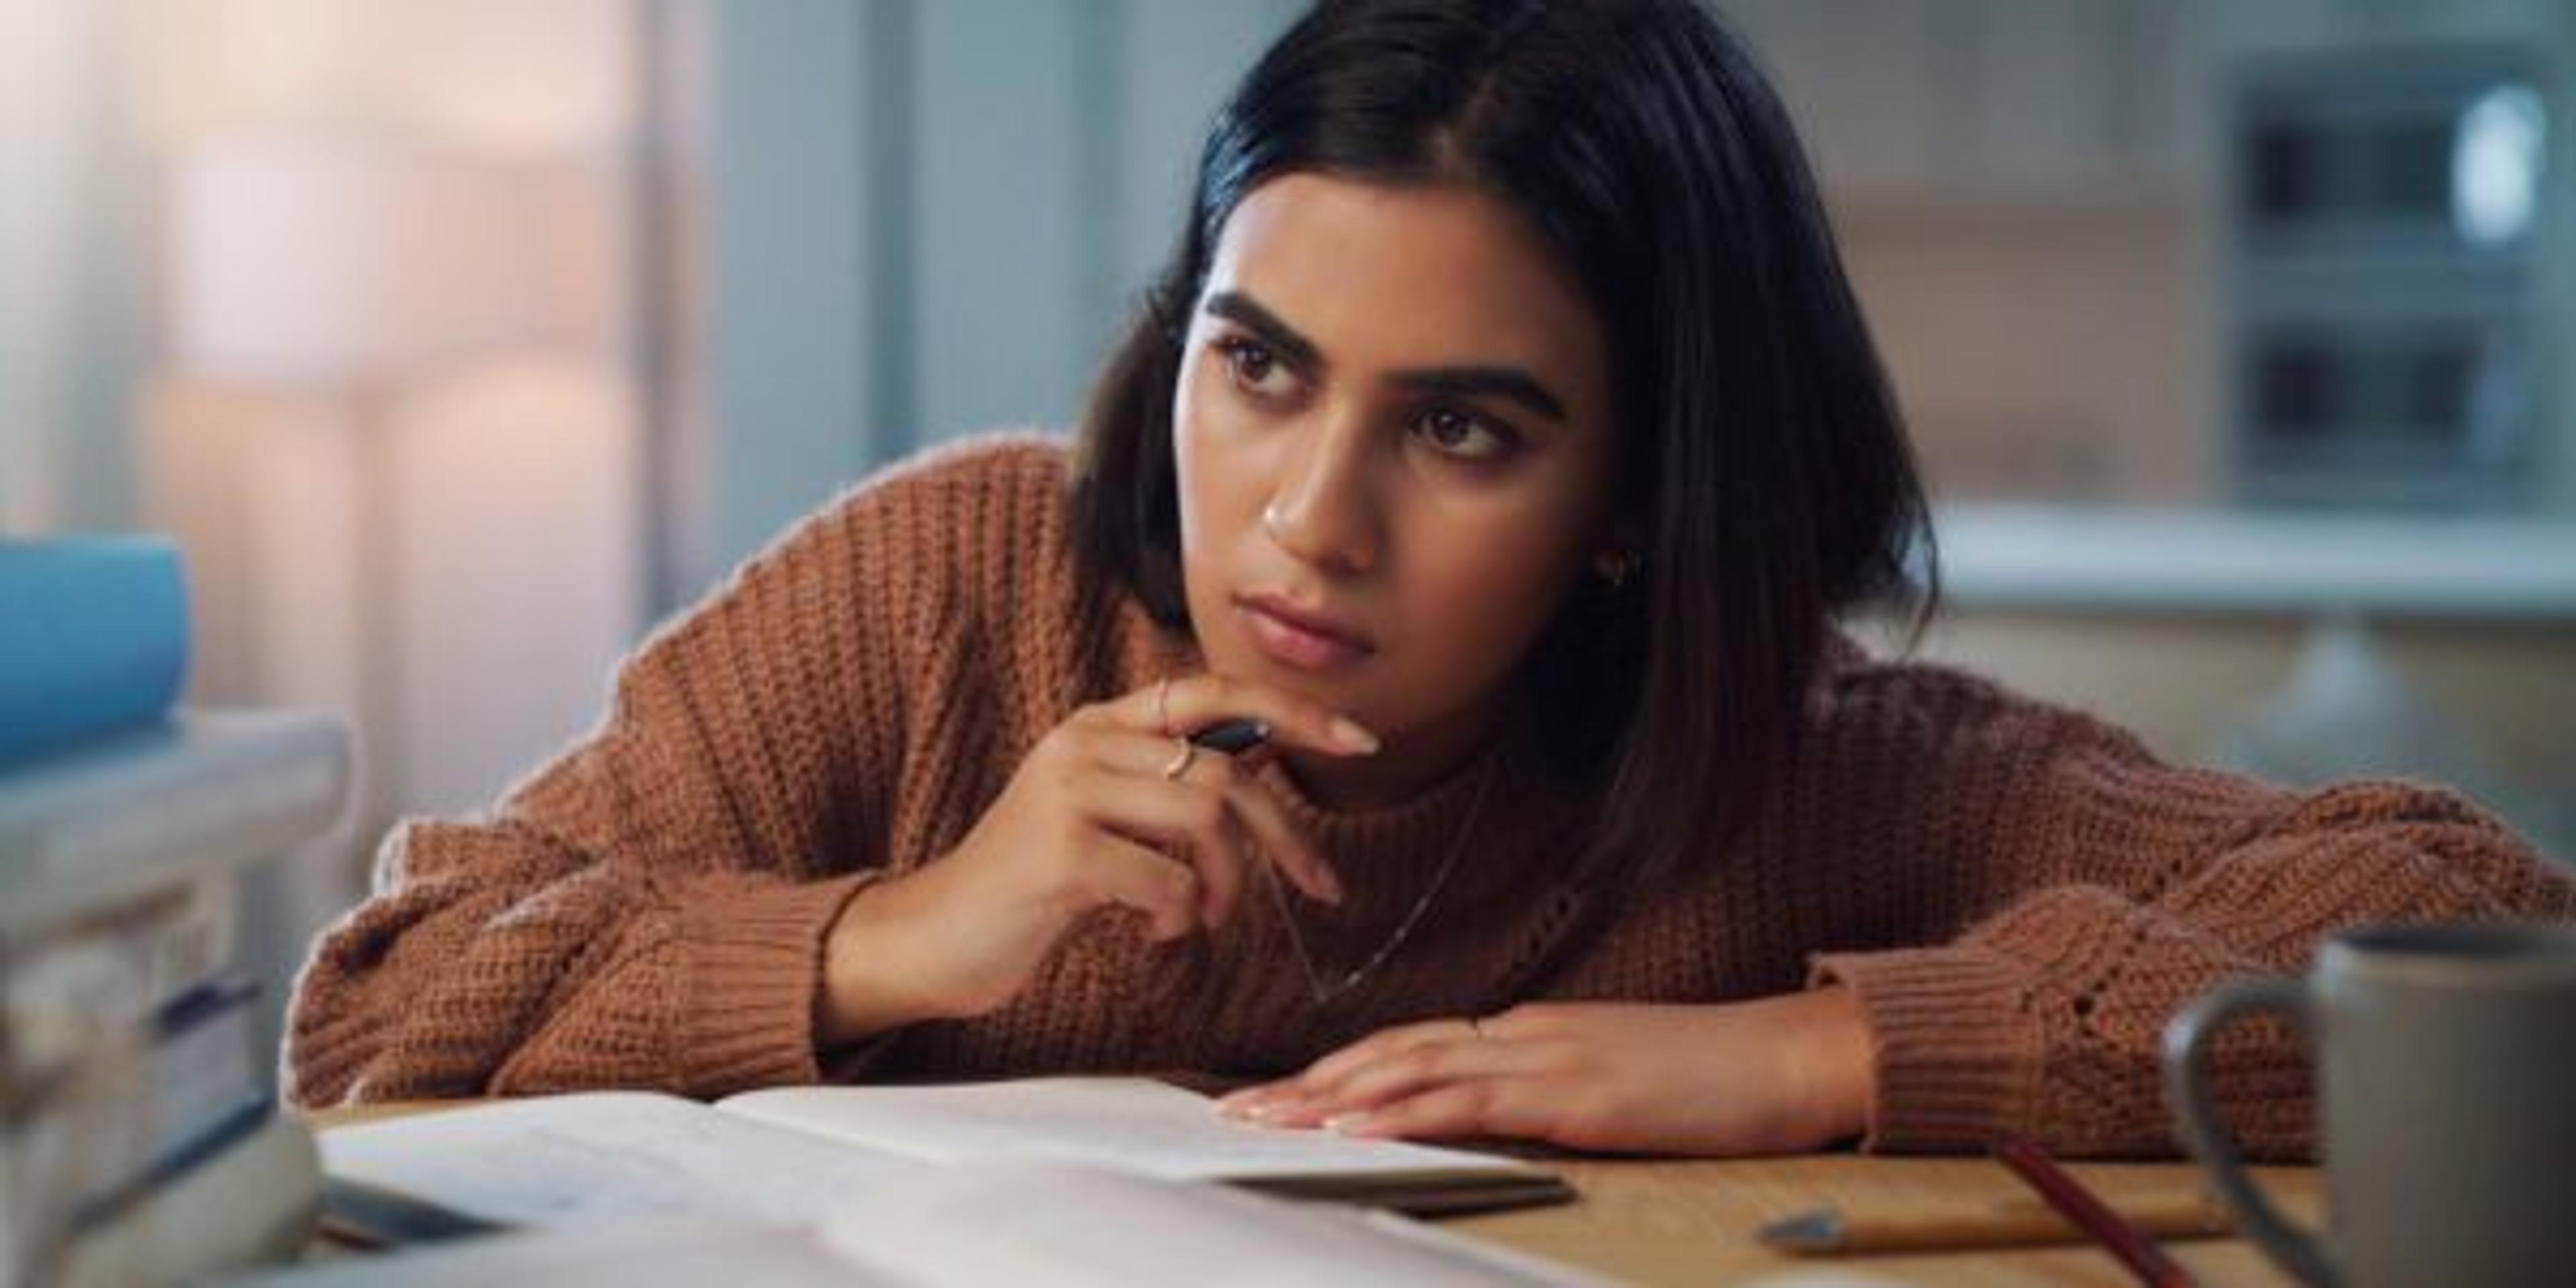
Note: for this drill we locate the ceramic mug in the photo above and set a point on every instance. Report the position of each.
(2446, 1105)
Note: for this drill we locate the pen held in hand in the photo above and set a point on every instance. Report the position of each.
(1233, 737)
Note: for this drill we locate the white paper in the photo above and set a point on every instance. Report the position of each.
(974, 1225)
(671, 1252)
(599, 1156)
(1080, 1227)
(1131, 1124)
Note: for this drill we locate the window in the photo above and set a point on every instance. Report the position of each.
(2383, 233)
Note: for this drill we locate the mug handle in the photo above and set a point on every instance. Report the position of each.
(2187, 1086)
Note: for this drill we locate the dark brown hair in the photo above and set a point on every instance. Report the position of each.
(1763, 466)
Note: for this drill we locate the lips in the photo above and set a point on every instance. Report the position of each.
(1301, 638)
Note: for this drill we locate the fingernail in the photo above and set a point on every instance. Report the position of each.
(1332, 883)
(1242, 1099)
(1348, 733)
(1350, 1124)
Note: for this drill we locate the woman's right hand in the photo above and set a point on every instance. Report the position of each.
(1090, 820)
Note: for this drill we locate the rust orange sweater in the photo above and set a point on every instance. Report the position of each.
(2019, 895)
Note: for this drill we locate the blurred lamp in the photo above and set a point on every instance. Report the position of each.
(334, 261)
(496, 78)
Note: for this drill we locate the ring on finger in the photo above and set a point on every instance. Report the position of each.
(1163, 707)
(1181, 763)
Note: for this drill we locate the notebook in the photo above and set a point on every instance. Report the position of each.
(796, 1156)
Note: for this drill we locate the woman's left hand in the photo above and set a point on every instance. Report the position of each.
(1779, 1075)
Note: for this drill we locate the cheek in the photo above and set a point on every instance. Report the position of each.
(1490, 587)
(1190, 453)
(1211, 476)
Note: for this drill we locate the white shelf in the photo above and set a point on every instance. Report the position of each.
(207, 793)
(2043, 557)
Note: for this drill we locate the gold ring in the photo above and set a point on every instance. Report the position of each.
(1163, 706)
(1181, 763)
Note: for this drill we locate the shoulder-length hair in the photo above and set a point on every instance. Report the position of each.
(1764, 471)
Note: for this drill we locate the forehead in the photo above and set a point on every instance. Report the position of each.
(1376, 273)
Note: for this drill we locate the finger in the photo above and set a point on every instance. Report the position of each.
(1324, 1088)
(1275, 838)
(1150, 755)
(1432, 1064)
(1502, 1106)
(1122, 872)
(1202, 700)
(1193, 821)
(1279, 843)
(1404, 1073)
(1239, 1102)
(1328, 1073)
(1321, 1091)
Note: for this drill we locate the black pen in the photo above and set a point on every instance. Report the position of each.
(1233, 737)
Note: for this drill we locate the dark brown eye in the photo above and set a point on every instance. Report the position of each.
(1255, 368)
(1462, 434)
(1447, 428)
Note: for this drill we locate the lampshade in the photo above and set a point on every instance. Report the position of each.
(507, 78)
(536, 594)
(503, 79)
(324, 260)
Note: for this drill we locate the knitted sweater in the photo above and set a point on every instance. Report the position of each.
(2017, 894)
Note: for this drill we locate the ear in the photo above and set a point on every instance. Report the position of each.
(1620, 555)
(1623, 547)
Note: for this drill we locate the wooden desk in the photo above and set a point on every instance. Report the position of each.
(1657, 1223)
(1693, 1222)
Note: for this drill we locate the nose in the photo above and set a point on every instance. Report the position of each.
(1322, 511)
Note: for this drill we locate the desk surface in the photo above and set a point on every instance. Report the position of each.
(1693, 1222)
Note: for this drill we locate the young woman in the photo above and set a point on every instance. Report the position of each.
(1504, 439)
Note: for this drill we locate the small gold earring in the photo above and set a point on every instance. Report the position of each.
(1616, 569)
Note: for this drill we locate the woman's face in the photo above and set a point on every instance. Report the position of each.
(1393, 432)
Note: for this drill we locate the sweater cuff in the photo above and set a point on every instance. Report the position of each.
(1957, 1049)
(755, 961)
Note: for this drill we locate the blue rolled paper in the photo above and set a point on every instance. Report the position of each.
(93, 638)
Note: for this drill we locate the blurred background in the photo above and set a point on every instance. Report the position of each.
(461, 340)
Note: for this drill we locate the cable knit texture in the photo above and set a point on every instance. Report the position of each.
(2018, 894)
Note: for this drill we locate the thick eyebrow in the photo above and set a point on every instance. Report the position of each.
(1509, 383)
(1247, 312)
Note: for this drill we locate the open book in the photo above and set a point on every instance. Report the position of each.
(798, 1155)
(974, 1224)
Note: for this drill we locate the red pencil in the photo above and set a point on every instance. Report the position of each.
(2090, 1214)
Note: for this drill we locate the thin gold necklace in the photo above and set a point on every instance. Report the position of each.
(1327, 991)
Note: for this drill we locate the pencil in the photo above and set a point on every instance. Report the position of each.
(2062, 1191)
(2022, 1222)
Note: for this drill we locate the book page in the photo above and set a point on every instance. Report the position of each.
(667, 1252)
(1081, 1227)
(569, 1160)
(1132, 1124)
(974, 1225)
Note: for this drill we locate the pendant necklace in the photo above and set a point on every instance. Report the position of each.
(1326, 991)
